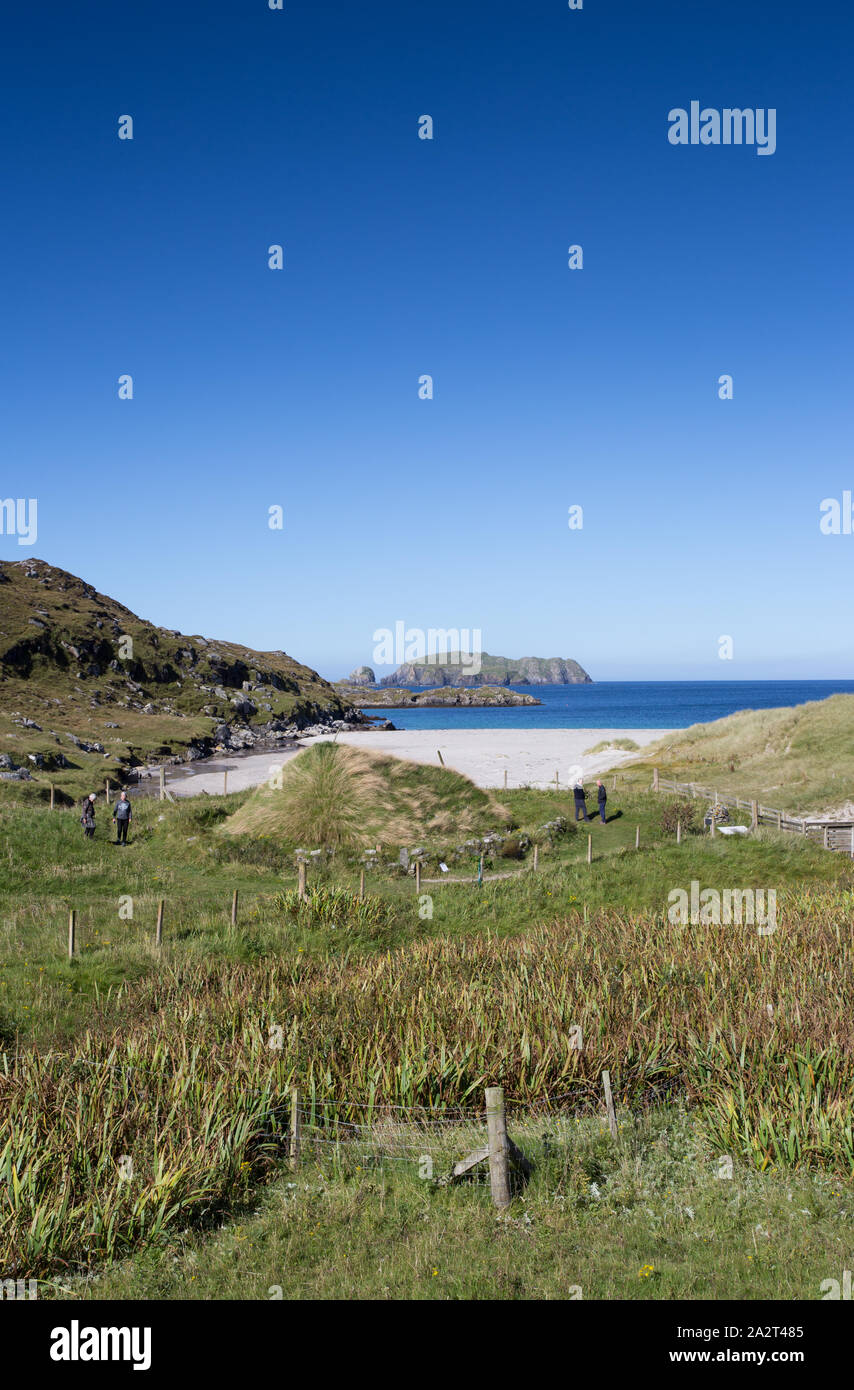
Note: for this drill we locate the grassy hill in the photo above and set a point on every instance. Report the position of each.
(800, 759)
(103, 689)
(335, 796)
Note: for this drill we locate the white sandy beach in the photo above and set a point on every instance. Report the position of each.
(529, 757)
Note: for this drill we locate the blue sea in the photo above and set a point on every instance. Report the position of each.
(623, 705)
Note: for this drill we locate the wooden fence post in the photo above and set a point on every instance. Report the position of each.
(655, 779)
(362, 884)
(480, 872)
(418, 875)
(713, 825)
(505, 779)
(234, 909)
(107, 789)
(779, 820)
(614, 788)
(52, 795)
(754, 815)
(590, 849)
(609, 1106)
(301, 880)
(72, 922)
(441, 759)
(852, 842)
(557, 780)
(162, 783)
(496, 1129)
(536, 857)
(637, 837)
(826, 838)
(158, 931)
(679, 832)
(225, 782)
(293, 1155)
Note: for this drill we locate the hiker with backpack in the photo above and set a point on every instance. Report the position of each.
(121, 816)
(87, 820)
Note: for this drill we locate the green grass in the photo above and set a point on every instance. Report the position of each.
(166, 1055)
(645, 1219)
(799, 760)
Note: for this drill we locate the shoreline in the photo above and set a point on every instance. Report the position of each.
(529, 757)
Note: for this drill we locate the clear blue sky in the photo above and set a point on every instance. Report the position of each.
(403, 257)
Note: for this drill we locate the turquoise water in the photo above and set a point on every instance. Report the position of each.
(624, 705)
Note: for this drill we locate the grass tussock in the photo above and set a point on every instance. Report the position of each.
(338, 797)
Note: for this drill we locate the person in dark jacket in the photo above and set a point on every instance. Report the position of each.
(122, 817)
(601, 797)
(580, 802)
(87, 820)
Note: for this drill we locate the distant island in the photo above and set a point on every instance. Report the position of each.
(395, 698)
(456, 670)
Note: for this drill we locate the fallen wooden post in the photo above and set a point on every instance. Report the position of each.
(441, 759)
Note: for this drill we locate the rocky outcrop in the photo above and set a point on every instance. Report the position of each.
(363, 675)
(491, 695)
(456, 670)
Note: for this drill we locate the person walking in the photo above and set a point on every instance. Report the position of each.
(121, 816)
(87, 820)
(580, 802)
(601, 797)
